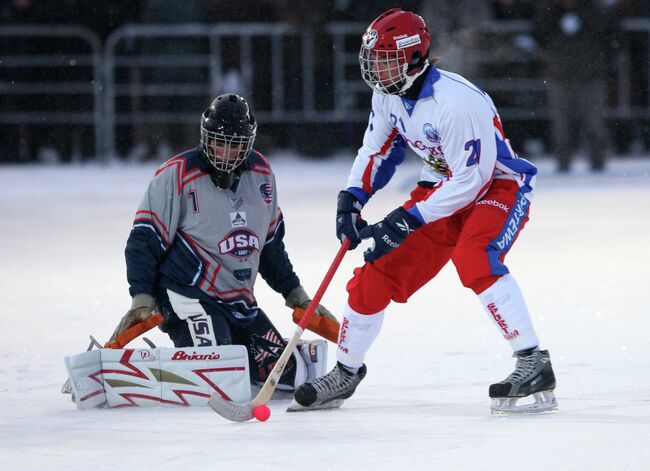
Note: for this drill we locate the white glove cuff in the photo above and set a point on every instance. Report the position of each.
(143, 300)
(297, 297)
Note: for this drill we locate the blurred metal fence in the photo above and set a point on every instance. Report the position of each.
(166, 74)
(35, 48)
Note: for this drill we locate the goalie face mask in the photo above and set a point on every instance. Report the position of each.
(228, 130)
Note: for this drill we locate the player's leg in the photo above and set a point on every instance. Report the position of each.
(393, 277)
(191, 323)
(488, 234)
(265, 344)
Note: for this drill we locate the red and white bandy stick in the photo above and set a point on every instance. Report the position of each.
(243, 412)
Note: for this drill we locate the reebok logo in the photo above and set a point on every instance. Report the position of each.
(404, 226)
(496, 204)
(386, 239)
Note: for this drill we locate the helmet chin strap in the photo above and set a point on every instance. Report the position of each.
(408, 81)
(222, 180)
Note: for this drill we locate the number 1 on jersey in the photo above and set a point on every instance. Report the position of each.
(195, 201)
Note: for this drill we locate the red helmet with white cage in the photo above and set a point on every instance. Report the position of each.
(394, 51)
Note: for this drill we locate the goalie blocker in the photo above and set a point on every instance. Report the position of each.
(174, 376)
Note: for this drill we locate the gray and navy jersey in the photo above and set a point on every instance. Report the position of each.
(206, 243)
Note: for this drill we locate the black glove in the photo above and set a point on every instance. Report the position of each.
(348, 218)
(389, 233)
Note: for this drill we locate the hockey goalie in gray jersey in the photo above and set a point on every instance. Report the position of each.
(209, 222)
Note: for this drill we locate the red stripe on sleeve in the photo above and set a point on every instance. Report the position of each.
(367, 173)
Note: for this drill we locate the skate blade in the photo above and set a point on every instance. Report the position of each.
(545, 402)
(295, 407)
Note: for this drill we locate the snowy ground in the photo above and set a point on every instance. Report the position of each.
(583, 262)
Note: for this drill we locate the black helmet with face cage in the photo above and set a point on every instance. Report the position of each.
(228, 129)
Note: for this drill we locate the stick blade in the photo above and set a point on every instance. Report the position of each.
(231, 410)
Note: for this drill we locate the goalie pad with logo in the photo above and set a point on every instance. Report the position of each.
(159, 376)
(174, 376)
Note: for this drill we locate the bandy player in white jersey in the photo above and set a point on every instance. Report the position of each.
(208, 224)
(469, 206)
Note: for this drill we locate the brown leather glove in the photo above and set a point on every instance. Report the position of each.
(298, 297)
(142, 307)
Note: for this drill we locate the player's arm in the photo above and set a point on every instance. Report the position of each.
(152, 233)
(382, 151)
(276, 267)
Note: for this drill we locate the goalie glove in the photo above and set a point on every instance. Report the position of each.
(298, 297)
(142, 307)
(389, 233)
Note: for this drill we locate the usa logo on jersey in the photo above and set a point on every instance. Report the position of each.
(266, 190)
(239, 243)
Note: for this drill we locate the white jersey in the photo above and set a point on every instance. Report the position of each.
(455, 129)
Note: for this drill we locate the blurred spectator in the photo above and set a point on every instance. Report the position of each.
(513, 9)
(159, 140)
(454, 26)
(576, 39)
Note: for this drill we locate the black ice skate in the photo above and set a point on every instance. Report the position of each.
(327, 392)
(533, 376)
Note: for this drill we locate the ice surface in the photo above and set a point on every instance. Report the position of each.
(583, 263)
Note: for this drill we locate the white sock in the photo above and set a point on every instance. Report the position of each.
(505, 305)
(356, 335)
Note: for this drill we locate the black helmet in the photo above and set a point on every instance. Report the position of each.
(228, 130)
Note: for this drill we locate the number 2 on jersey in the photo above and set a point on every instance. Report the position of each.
(474, 146)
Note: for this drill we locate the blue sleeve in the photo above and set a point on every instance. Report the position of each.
(275, 266)
(144, 252)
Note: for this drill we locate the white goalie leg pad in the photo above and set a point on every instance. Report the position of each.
(160, 376)
(534, 404)
(314, 353)
(85, 380)
(311, 363)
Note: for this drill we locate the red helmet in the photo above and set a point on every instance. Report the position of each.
(394, 46)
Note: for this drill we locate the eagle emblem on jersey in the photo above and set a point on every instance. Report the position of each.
(431, 133)
(239, 243)
(370, 38)
(438, 163)
(266, 190)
